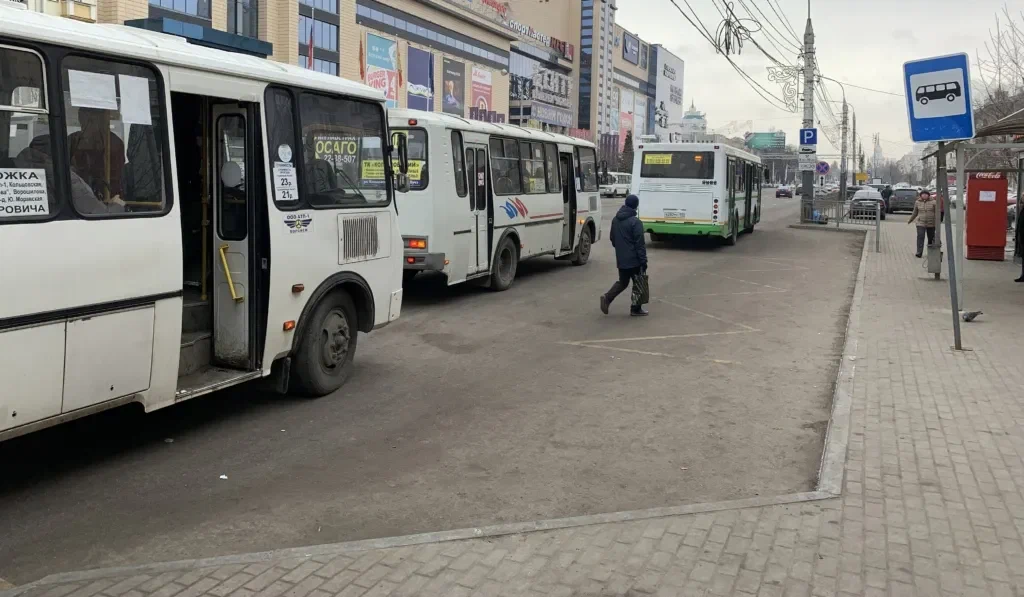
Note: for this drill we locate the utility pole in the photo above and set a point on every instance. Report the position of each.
(842, 162)
(853, 154)
(808, 177)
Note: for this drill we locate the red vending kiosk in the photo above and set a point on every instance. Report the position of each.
(986, 216)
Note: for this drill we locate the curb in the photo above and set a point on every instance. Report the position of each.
(827, 228)
(831, 471)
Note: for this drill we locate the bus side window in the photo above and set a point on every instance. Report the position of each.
(114, 128)
(25, 139)
(551, 162)
(460, 166)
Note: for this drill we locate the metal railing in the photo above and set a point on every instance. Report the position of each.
(835, 212)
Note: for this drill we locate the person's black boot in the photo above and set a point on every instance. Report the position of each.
(638, 312)
(604, 304)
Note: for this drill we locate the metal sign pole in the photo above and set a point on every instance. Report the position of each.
(943, 182)
(961, 217)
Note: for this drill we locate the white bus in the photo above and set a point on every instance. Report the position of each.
(615, 184)
(170, 223)
(484, 196)
(702, 189)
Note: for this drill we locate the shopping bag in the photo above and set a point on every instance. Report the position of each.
(641, 289)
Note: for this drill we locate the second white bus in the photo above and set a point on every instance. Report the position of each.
(484, 196)
(701, 189)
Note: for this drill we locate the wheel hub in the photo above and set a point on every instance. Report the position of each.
(334, 340)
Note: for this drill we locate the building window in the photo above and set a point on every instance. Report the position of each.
(320, 66)
(243, 17)
(196, 8)
(325, 35)
(328, 5)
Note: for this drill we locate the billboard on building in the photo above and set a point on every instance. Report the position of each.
(482, 88)
(668, 94)
(630, 48)
(421, 80)
(382, 67)
(453, 85)
(625, 115)
(639, 116)
(765, 141)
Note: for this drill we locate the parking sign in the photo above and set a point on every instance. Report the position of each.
(938, 95)
(808, 136)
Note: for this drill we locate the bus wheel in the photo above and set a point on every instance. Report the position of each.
(734, 230)
(582, 248)
(655, 237)
(506, 262)
(323, 361)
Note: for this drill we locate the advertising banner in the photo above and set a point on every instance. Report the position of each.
(382, 67)
(631, 48)
(421, 80)
(639, 116)
(552, 88)
(668, 94)
(453, 85)
(625, 116)
(481, 89)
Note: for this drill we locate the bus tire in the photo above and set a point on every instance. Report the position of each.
(582, 255)
(506, 262)
(655, 237)
(734, 230)
(323, 359)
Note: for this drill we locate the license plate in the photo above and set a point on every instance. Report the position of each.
(674, 213)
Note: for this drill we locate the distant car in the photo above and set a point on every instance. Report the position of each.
(851, 191)
(865, 203)
(902, 200)
(784, 191)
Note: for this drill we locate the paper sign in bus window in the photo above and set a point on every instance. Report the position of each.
(92, 90)
(23, 192)
(658, 159)
(286, 187)
(135, 100)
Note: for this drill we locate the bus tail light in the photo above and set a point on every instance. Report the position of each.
(289, 325)
(416, 243)
(410, 260)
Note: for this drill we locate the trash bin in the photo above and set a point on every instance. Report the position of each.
(935, 260)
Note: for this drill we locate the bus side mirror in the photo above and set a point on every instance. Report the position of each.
(403, 154)
(402, 182)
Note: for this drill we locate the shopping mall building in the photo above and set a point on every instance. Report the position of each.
(560, 65)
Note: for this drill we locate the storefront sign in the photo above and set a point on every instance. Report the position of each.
(552, 88)
(499, 7)
(421, 80)
(382, 67)
(453, 82)
(481, 88)
(551, 114)
(668, 72)
(566, 49)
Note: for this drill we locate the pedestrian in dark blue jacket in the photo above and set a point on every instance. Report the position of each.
(627, 236)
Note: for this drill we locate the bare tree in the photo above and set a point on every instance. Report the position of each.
(999, 82)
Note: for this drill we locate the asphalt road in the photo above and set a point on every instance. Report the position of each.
(474, 408)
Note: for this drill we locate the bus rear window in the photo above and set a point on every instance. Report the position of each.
(418, 173)
(678, 164)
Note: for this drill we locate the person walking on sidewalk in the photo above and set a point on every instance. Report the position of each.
(926, 215)
(627, 236)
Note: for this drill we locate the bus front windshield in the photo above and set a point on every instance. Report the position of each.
(678, 164)
(343, 151)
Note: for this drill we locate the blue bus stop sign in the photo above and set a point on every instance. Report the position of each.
(938, 94)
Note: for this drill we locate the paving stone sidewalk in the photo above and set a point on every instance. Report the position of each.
(931, 503)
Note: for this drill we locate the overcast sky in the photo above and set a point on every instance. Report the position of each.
(864, 42)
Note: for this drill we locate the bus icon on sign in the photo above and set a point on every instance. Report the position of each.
(938, 94)
(948, 91)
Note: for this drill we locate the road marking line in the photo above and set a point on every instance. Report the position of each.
(715, 317)
(728, 293)
(669, 337)
(653, 354)
(741, 280)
